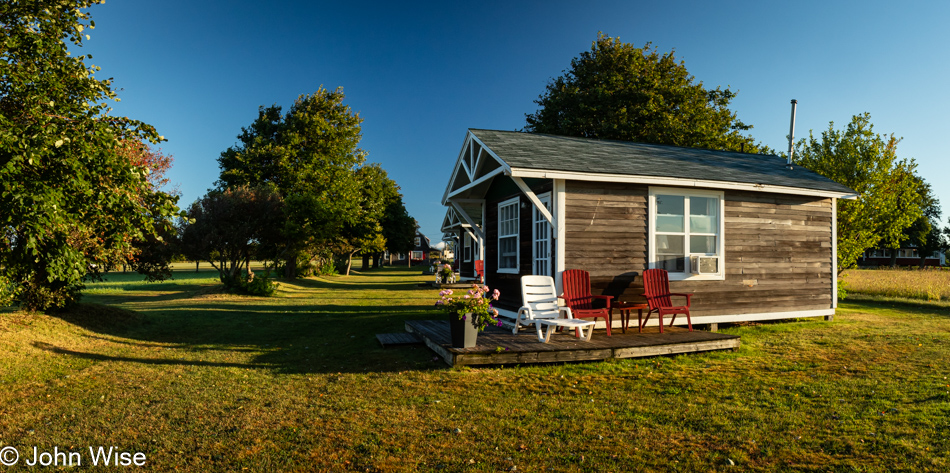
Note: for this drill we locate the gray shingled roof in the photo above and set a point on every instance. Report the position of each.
(563, 153)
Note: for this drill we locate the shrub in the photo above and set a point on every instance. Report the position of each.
(327, 268)
(255, 285)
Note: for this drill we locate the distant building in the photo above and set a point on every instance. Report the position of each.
(421, 252)
(908, 256)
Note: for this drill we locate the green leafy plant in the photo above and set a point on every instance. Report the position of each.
(261, 285)
(445, 271)
(475, 303)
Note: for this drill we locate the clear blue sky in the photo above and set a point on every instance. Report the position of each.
(421, 74)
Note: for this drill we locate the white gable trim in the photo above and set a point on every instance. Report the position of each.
(471, 165)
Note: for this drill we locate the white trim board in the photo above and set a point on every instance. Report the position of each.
(674, 182)
(561, 232)
(834, 253)
(535, 200)
(708, 319)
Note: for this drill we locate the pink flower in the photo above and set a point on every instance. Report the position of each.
(495, 295)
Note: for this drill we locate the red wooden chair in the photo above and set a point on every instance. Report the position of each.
(480, 270)
(656, 288)
(578, 298)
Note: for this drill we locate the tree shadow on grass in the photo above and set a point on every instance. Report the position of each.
(150, 361)
(306, 338)
(929, 308)
(351, 285)
(320, 325)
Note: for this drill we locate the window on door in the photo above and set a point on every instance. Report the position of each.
(541, 238)
(467, 248)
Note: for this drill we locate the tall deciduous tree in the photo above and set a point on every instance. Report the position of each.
(70, 201)
(310, 155)
(620, 92)
(399, 228)
(888, 194)
(380, 210)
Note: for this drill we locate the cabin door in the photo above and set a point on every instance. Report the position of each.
(542, 239)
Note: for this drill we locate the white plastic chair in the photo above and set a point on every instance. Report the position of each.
(540, 308)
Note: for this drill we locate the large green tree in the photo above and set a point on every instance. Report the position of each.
(889, 194)
(382, 216)
(399, 229)
(620, 92)
(925, 233)
(71, 200)
(310, 155)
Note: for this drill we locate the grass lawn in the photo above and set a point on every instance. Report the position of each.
(198, 380)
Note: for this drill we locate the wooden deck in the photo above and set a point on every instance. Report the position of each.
(498, 346)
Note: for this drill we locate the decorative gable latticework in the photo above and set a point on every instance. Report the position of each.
(474, 171)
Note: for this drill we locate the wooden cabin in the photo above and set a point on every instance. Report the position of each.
(420, 253)
(749, 236)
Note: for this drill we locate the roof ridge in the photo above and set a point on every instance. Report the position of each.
(623, 142)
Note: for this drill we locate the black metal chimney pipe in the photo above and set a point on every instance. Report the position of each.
(791, 134)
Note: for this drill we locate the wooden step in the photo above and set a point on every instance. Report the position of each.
(396, 339)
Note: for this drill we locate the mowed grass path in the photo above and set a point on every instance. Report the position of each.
(204, 381)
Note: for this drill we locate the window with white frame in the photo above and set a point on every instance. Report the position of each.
(508, 239)
(417, 255)
(686, 233)
(467, 248)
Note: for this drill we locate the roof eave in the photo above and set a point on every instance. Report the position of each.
(679, 182)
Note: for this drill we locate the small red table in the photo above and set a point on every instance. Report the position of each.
(625, 308)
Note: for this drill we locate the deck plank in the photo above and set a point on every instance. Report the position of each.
(397, 339)
(498, 346)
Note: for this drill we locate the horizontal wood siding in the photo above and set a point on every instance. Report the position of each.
(606, 235)
(502, 189)
(778, 250)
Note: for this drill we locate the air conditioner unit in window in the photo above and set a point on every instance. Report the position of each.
(704, 264)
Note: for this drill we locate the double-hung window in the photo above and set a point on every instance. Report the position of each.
(508, 240)
(686, 233)
(467, 248)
